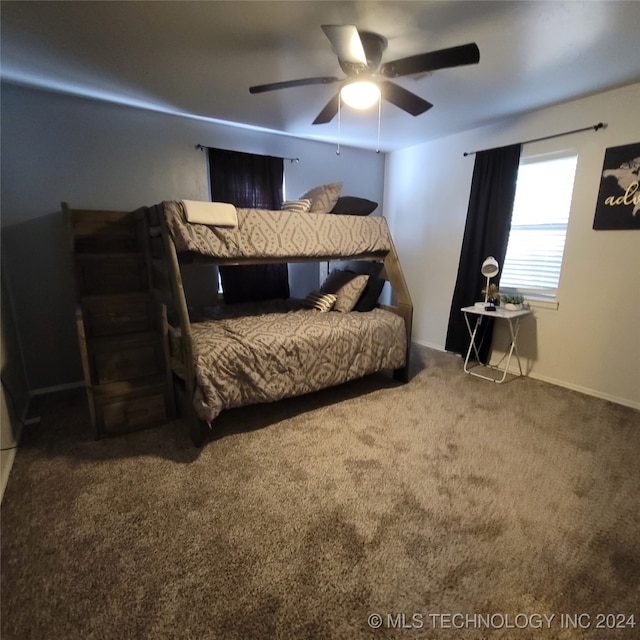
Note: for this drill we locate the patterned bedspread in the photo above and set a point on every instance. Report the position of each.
(249, 359)
(280, 234)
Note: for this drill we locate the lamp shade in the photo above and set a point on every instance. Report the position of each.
(490, 267)
(361, 94)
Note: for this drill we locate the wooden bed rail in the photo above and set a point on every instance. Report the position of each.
(401, 298)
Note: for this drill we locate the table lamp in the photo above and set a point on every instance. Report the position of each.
(489, 270)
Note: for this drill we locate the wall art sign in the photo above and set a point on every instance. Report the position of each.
(618, 204)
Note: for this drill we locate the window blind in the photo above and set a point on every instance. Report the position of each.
(539, 226)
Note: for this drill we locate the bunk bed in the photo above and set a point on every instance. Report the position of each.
(233, 355)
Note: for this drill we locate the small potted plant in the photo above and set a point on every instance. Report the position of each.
(512, 302)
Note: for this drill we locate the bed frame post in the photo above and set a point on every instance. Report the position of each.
(186, 344)
(392, 271)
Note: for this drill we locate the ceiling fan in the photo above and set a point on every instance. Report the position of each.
(359, 55)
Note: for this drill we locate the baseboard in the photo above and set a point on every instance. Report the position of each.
(513, 369)
(8, 457)
(429, 345)
(56, 388)
(626, 402)
(587, 391)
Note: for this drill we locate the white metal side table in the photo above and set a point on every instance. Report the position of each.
(513, 319)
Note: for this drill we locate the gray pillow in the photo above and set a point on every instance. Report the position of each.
(324, 197)
(347, 287)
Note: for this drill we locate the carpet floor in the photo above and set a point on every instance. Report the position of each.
(446, 508)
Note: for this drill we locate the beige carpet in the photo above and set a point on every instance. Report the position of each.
(450, 507)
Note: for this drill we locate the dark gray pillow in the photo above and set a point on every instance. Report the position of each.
(370, 295)
(353, 206)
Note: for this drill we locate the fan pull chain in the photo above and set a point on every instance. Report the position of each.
(379, 118)
(339, 113)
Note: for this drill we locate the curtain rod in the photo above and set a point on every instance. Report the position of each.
(595, 127)
(202, 147)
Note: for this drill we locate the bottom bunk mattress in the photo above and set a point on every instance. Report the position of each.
(244, 358)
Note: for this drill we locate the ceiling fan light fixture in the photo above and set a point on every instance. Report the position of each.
(360, 94)
(359, 55)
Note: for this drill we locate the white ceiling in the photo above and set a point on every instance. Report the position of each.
(200, 58)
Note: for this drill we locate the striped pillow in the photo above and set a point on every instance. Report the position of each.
(319, 301)
(301, 206)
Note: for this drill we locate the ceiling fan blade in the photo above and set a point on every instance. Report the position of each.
(346, 42)
(442, 59)
(329, 111)
(409, 102)
(292, 83)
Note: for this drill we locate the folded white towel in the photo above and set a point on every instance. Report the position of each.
(219, 214)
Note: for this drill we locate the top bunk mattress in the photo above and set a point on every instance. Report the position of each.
(284, 235)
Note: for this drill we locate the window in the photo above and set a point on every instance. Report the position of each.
(539, 226)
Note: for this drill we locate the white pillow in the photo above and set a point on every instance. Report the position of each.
(221, 214)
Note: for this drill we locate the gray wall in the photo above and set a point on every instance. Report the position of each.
(96, 155)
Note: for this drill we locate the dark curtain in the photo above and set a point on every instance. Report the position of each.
(249, 182)
(486, 233)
